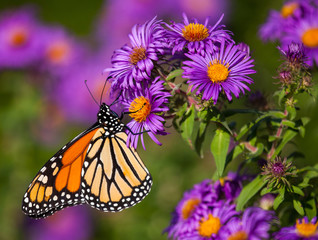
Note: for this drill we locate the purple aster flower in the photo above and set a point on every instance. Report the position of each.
(303, 230)
(224, 70)
(211, 223)
(278, 21)
(60, 51)
(229, 187)
(190, 209)
(145, 107)
(20, 40)
(244, 48)
(304, 31)
(133, 65)
(254, 225)
(294, 54)
(196, 37)
(71, 223)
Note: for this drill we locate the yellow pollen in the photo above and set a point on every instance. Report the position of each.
(310, 38)
(18, 38)
(240, 235)
(140, 109)
(209, 226)
(188, 207)
(195, 32)
(217, 71)
(306, 229)
(288, 9)
(58, 52)
(138, 53)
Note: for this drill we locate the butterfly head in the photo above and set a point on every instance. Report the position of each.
(109, 119)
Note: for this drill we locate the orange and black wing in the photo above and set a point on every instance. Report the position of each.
(58, 184)
(113, 176)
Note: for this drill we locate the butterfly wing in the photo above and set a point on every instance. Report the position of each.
(58, 184)
(113, 176)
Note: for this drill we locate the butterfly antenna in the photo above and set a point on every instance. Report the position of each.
(116, 100)
(101, 95)
(91, 93)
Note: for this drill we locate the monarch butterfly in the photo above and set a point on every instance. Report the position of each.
(96, 168)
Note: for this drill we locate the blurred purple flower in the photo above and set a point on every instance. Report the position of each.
(278, 21)
(132, 66)
(20, 38)
(191, 208)
(267, 201)
(114, 30)
(196, 37)
(71, 223)
(61, 51)
(254, 225)
(304, 31)
(146, 106)
(72, 95)
(200, 9)
(224, 70)
(303, 230)
(229, 187)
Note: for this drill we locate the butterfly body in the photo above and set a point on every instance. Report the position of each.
(96, 168)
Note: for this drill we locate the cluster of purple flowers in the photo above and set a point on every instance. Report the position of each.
(297, 22)
(56, 60)
(25, 42)
(213, 64)
(208, 212)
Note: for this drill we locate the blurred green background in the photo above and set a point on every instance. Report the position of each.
(28, 139)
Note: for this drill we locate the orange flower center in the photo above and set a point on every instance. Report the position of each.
(209, 226)
(195, 32)
(240, 235)
(58, 52)
(188, 207)
(306, 229)
(18, 37)
(138, 53)
(140, 109)
(218, 72)
(310, 38)
(288, 9)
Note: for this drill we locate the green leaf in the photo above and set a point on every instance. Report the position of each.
(297, 190)
(266, 190)
(249, 191)
(179, 115)
(219, 148)
(289, 135)
(289, 123)
(281, 94)
(174, 74)
(310, 207)
(237, 150)
(270, 114)
(186, 124)
(291, 111)
(203, 124)
(298, 207)
(305, 120)
(279, 199)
